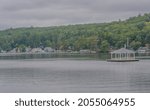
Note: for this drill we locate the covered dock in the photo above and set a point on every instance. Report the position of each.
(122, 55)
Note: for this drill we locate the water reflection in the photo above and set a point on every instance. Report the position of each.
(70, 75)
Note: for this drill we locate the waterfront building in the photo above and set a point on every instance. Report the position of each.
(122, 55)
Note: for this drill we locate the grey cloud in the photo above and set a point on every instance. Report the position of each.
(133, 5)
(18, 13)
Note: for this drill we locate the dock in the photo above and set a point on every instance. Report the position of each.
(122, 55)
(122, 60)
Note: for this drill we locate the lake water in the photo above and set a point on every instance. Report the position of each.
(72, 75)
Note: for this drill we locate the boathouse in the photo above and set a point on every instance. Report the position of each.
(122, 55)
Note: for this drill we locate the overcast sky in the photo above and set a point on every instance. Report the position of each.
(26, 13)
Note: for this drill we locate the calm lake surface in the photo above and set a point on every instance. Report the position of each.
(73, 75)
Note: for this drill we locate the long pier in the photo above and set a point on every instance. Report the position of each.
(143, 57)
(18, 54)
(30, 53)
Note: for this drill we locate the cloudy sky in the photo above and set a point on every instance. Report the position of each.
(26, 13)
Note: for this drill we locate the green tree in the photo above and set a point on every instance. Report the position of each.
(104, 46)
(22, 48)
(140, 25)
(135, 44)
(47, 43)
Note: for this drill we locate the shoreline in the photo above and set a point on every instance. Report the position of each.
(57, 55)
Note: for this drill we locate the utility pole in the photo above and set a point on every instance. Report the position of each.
(127, 43)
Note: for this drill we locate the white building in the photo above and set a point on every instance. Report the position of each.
(15, 50)
(37, 50)
(48, 49)
(85, 51)
(123, 54)
(143, 50)
(28, 49)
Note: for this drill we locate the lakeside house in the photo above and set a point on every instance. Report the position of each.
(28, 49)
(49, 49)
(15, 50)
(143, 51)
(37, 50)
(2, 51)
(84, 51)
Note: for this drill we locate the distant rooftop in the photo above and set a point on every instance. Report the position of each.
(123, 50)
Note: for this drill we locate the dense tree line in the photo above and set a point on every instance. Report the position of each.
(99, 36)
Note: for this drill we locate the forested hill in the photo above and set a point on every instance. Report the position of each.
(98, 36)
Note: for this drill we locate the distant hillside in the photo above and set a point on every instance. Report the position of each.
(100, 36)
